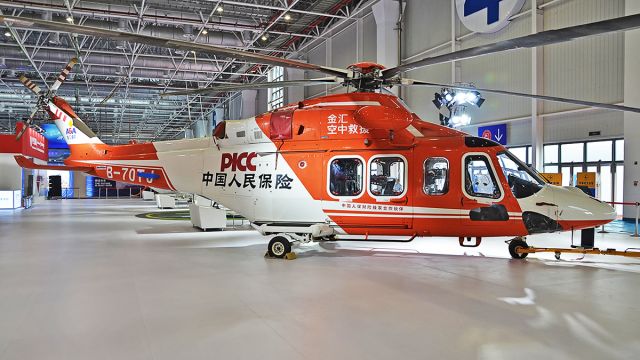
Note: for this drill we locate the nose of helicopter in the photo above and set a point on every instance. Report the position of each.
(577, 210)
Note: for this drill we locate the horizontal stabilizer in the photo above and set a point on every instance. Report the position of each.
(27, 163)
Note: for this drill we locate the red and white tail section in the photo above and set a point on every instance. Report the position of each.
(74, 130)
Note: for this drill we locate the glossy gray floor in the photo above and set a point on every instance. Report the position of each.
(85, 279)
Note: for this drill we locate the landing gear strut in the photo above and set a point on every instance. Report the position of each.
(515, 245)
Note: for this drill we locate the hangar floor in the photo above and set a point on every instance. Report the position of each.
(86, 279)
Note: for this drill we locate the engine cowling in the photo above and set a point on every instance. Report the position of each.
(378, 117)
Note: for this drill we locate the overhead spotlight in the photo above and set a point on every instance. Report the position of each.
(264, 38)
(205, 31)
(220, 9)
(287, 17)
(69, 19)
(7, 33)
(451, 104)
(459, 117)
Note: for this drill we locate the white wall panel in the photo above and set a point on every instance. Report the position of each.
(419, 98)
(368, 38)
(427, 24)
(590, 69)
(505, 71)
(344, 50)
(577, 126)
(318, 56)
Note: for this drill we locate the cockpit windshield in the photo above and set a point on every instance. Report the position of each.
(523, 180)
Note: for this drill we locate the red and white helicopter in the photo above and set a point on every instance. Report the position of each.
(354, 166)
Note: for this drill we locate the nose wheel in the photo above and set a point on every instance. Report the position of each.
(515, 245)
(279, 247)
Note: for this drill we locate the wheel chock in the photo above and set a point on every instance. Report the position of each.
(289, 256)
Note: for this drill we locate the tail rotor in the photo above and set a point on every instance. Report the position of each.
(43, 97)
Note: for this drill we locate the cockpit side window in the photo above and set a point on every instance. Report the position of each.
(436, 176)
(522, 180)
(480, 180)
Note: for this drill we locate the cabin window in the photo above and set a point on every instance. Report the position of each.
(480, 180)
(387, 176)
(345, 177)
(436, 176)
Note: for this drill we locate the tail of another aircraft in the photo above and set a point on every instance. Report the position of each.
(134, 163)
(74, 130)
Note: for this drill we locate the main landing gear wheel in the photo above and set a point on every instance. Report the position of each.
(279, 247)
(515, 245)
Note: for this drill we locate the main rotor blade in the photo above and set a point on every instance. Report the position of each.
(265, 85)
(63, 74)
(169, 43)
(411, 82)
(529, 41)
(27, 123)
(30, 84)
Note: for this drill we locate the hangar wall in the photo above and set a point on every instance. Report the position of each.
(591, 69)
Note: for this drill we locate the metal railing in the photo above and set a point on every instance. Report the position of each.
(129, 193)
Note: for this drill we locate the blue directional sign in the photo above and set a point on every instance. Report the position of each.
(492, 7)
(497, 133)
(487, 16)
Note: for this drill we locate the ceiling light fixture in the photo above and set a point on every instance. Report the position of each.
(220, 9)
(287, 17)
(69, 19)
(264, 38)
(205, 31)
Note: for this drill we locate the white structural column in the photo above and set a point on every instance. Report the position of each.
(386, 14)
(631, 120)
(248, 103)
(537, 87)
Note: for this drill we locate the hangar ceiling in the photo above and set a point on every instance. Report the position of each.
(116, 86)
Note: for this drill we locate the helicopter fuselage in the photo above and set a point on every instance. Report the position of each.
(361, 163)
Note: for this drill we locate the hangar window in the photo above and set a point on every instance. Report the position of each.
(275, 97)
(436, 176)
(387, 176)
(345, 177)
(480, 181)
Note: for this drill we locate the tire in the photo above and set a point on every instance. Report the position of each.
(517, 244)
(279, 247)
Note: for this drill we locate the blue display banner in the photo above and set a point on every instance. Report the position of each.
(54, 137)
(497, 133)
